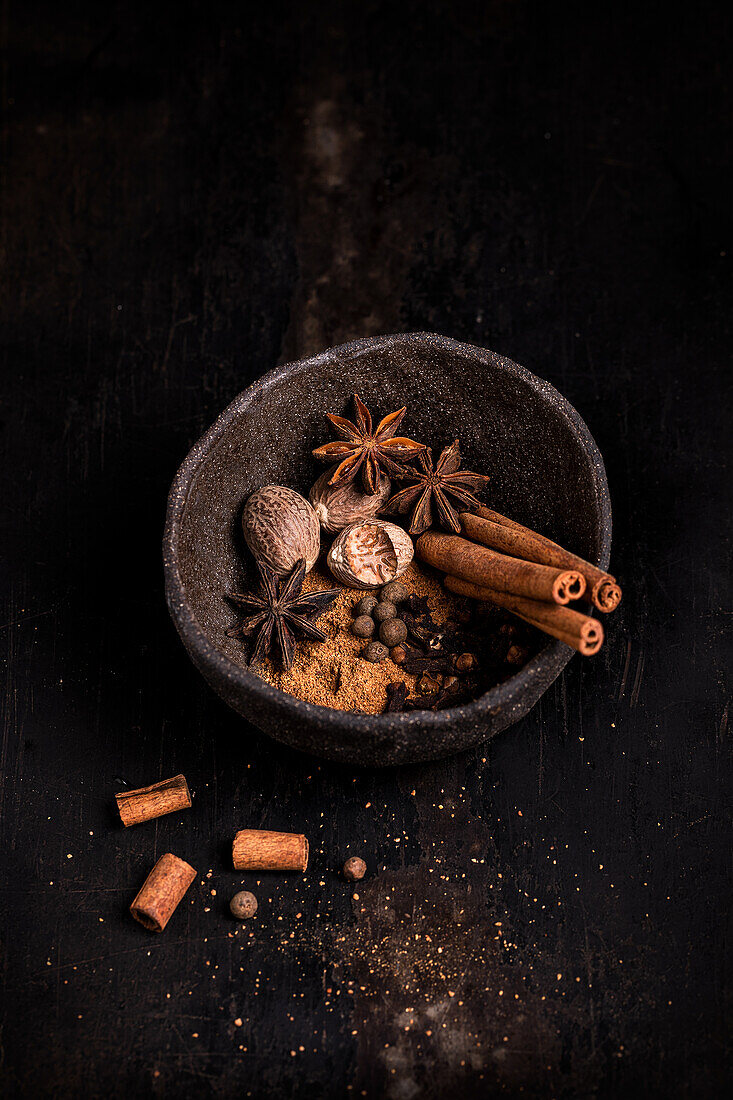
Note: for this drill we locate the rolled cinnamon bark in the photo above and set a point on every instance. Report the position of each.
(477, 564)
(581, 632)
(262, 850)
(500, 533)
(162, 891)
(147, 803)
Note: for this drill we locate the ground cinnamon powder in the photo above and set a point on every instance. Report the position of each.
(332, 673)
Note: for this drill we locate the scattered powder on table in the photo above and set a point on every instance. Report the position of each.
(333, 673)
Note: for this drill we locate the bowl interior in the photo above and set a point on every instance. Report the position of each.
(543, 465)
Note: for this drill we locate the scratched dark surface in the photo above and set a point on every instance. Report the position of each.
(190, 197)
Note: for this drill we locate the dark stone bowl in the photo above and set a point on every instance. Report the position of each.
(545, 471)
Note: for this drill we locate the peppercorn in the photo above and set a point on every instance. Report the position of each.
(363, 627)
(398, 654)
(375, 652)
(466, 662)
(450, 683)
(243, 905)
(383, 611)
(365, 606)
(394, 592)
(354, 868)
(392, 632)
(516, 655)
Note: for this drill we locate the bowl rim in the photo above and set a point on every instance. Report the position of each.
(552, 657)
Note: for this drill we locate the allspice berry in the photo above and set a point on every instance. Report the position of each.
(466, 662)
(398, 654)
(383, 611)
(243, 905)
(363, 627)
(366, 605)
(354, 869)
(392, 632)
(375, 652)
(394, 592)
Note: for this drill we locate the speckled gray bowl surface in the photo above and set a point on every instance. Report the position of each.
(545, 470)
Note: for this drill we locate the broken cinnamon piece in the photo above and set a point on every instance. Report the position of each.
(579, 631)
(161, 892)
(503, 534)
(478, 565)
(263, 850)
(147, 803)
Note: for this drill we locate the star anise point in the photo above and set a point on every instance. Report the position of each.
(437, 485)
(363, 448)
(279, 612)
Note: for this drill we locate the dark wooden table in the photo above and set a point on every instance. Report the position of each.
(191, 195)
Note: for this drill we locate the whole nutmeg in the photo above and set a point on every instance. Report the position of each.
(243, 905)
(398, 654)
(383, 611)
(375, 652)
(366, 605)
(394, 592)
(392, 632)
(339, 505)
(370, 554)
(354, 869)
(364, 626)
(280, 528)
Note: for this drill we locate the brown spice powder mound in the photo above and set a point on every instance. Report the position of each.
(333, 673)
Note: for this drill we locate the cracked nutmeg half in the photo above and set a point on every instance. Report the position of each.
(370, 554)
(433, 486)
(280, 612)
(363, 447)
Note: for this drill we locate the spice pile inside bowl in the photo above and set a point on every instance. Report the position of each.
(432, 606)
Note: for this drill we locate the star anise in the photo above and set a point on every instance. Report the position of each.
(279, 612)
(433, 486)
(361, 447)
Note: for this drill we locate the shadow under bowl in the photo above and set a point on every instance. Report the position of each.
(546, 471)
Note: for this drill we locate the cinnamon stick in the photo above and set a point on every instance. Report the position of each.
(581, 632)
(162, 891)
(146, 803)
(500, 533)
(262, 850)
(479, 565)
